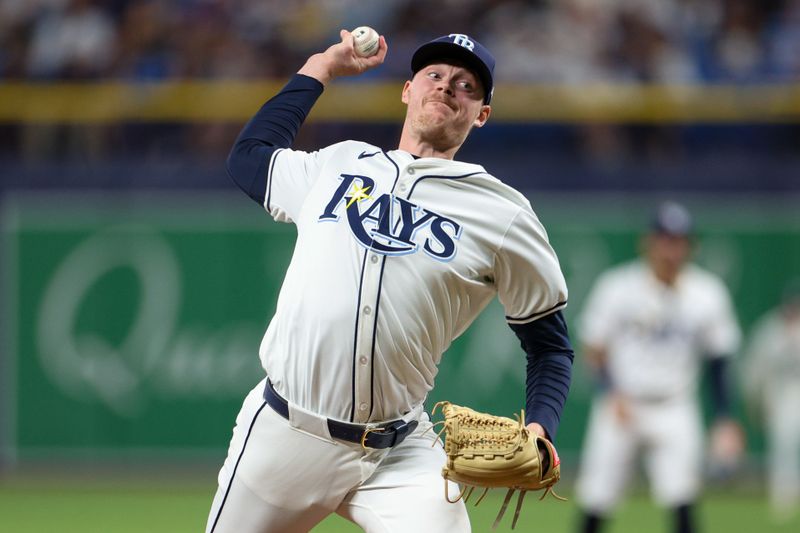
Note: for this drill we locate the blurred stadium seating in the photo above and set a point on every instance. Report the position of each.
(593, 94)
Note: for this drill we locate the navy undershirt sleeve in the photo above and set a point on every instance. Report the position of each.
(274, 126)
(719, 385)
(549, 369)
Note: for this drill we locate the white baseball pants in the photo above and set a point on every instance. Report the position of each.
(286, 477)
(783, 433)
(668, 435)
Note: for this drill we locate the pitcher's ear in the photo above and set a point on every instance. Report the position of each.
(483, 116)
(406, 89)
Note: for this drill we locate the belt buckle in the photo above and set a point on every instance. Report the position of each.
(371, 428)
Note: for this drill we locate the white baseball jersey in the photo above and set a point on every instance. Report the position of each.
(654, 335)
(774, 357)
(395, 257)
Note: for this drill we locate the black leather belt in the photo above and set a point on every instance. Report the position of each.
(382, 436)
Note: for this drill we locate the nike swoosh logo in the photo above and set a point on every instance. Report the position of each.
(364, 154)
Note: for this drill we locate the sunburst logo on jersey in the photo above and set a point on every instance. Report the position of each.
(359, 193)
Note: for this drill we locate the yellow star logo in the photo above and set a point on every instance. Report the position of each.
(359, 193)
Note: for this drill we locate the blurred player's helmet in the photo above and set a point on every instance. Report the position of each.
(671, 218)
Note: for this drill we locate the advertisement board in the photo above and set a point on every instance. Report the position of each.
(132, 322)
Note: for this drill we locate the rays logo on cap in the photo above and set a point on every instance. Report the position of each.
(462, 40)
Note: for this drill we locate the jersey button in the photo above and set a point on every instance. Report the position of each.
(411, 171)
(362, 360)
(367, 309)
(373, 258)
(363, 407)
(403, 187)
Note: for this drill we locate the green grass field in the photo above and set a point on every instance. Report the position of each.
(177, 504)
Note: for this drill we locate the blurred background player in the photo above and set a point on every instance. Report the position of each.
(646, 328)
(772, 380)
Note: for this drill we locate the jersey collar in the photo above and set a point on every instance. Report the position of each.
(434, 165)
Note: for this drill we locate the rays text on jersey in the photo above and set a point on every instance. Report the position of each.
(388, 224)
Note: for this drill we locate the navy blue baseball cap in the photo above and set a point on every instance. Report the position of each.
(671, 218)
(461, 47)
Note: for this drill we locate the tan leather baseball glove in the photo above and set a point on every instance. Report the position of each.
(490, 451)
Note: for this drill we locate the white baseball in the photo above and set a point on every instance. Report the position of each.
(365, 41)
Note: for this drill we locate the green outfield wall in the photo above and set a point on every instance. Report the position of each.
(131, 323)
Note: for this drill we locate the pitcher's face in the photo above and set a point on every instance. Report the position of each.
(444, 102)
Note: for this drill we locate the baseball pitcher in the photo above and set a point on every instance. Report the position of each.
(397, 252)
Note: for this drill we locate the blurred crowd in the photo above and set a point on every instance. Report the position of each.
(567, 42)
(555, 41)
